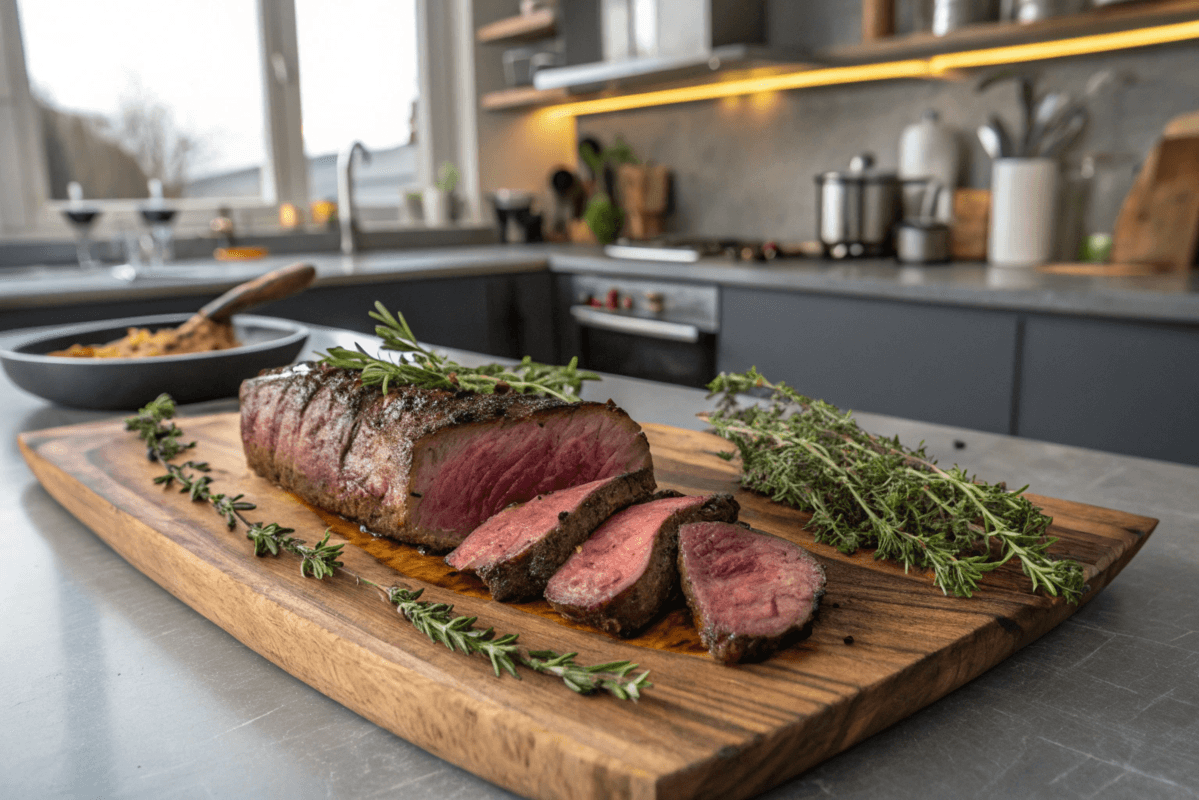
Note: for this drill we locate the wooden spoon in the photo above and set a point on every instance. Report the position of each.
(274, 285)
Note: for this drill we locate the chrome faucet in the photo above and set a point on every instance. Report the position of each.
(345, 196)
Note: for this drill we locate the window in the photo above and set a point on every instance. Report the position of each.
(358, 82)
(129, 90)
(207, 98)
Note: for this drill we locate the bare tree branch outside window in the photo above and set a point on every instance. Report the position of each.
(115, 157)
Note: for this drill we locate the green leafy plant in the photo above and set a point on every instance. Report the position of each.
(603, 217)
(420, 366)
(448, 177)
(863, 490)
(619, 152)
(153, 425)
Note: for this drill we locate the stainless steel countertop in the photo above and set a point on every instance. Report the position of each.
(114, 688)
(1161, 298)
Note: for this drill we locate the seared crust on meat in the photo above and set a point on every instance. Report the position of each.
(425, 466)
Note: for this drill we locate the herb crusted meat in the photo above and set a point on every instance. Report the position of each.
(425, 466)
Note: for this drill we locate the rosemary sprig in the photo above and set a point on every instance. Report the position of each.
(435, 620)
(863, 490)
(608, 677)
(422, 367)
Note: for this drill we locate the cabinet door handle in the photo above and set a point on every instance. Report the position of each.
(635, 326)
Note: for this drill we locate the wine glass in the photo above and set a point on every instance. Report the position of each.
(81, 218)
(159, 217)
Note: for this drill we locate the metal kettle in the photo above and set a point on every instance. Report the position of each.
(857, 209)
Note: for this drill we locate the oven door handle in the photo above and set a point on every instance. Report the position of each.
(635, 326)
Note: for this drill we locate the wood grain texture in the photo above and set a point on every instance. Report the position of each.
(878, 20)
(1182, 126)
(704, 730)
(1159, 221)
(539, 24)
(274, 285)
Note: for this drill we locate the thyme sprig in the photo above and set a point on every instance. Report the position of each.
(435, 620)
(425, 368)
(863, 490)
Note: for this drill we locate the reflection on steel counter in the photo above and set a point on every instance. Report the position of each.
(643, 329)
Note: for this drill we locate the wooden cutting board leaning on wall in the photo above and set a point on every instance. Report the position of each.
(1159, 221)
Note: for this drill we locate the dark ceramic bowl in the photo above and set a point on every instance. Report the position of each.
(125, 384)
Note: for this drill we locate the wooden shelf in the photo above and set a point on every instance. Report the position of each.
(1106, 19)
(523, 27)
(522, 97)
(1098, 21)
(737, 61)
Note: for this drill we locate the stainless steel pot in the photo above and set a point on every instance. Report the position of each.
(857, 209)
(924, 239)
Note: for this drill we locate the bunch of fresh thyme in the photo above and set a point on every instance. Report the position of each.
(863, 490)
(435, 620)
(422, 367)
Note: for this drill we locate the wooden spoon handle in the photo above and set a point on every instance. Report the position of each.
(274, 285)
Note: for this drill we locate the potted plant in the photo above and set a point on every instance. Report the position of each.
(439, 199)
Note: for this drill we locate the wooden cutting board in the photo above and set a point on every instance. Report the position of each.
(1161, 225)
(703, 730)
(1158, 222)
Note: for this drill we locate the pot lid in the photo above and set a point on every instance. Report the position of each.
(861, 170)
(924, 224)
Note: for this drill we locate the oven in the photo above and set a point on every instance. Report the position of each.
(657, 330)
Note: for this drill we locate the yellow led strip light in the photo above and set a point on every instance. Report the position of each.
(914, 68)
(911, 68)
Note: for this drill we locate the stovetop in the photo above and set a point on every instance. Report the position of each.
(690, 250)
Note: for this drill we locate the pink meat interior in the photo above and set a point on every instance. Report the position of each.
(513, 529)
(466, 474)
(746, 582)
(615, 556)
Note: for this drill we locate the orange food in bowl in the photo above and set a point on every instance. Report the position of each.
(142, 343)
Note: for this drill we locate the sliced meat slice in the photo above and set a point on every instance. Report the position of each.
(750, 593)
(516, 551)
(623, 574)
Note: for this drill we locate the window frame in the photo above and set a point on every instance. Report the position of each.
(446, 125)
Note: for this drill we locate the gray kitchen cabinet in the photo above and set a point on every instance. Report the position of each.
(500, 315)
(1124, 387)
(33, 316)
(937, 363)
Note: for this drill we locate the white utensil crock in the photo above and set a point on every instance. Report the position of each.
(1023, 211)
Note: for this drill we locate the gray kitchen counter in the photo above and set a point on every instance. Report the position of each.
(1161, 298)
(116, 689)
(31, 287)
